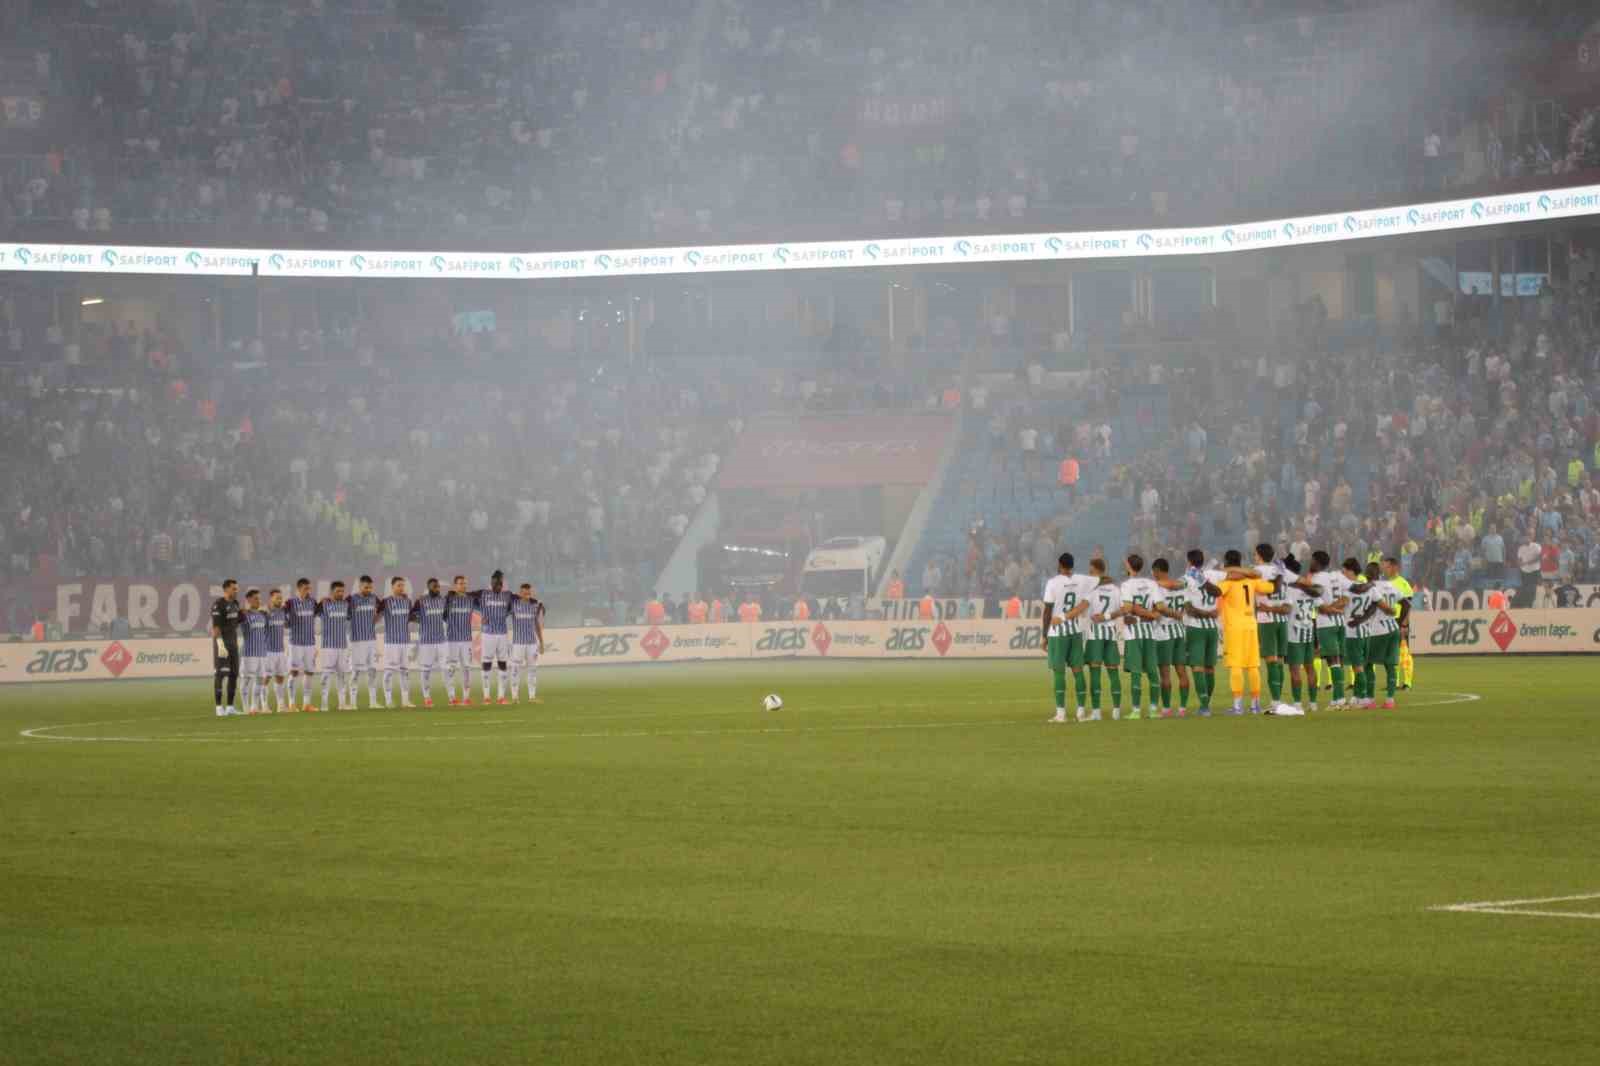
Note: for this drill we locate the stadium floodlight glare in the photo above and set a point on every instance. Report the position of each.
(92, 301)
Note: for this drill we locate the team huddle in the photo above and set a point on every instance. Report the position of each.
(1272, 614)
(283, 646)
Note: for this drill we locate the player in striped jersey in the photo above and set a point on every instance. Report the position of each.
(1383, 637)
(278, 651)
(1100, 650)
(494, 607)
(1066, 601)
(1355, 636)
(1272, 618)
(1169, 637)
(1303, 597)
(1139, 598)
(527, 637)
(458, 605)
(1331, 606)
(302, 610)
(253, 660)
(364, 640)
(1201, 635)
(336, 655)
(429, 613)
(396, 612)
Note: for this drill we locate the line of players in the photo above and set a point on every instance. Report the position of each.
(1274, 613)
(280, 654)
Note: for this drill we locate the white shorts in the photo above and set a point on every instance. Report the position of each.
(458, 653)
(525, 654)
(430, 656)
(254, 666)
(277, 664)
(496, 647)
(303, 658)
(364, 654)
(394, 656)
(337, 660)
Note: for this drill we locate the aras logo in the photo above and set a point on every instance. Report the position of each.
(1503, 630)
(604, 645)
(116, 658)
(1026, 638)
(941, 638)
(821, 639)
(655, 642)
(782, 638)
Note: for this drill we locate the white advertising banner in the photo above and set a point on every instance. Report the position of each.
(732, 258)
(1575, 630)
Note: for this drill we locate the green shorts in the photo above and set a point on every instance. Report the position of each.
(1066, 651)
(1301, 653)
(1139, 656)
(1355, 650)
(1273, 638)
(1102, 652)
(1383, 649)
(1330, 642)
(1165, 648)
(1201, 650)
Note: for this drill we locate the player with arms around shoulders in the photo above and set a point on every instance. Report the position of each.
(527, 637)
(429, 613)
(1303, 597)
(253, 669)
(1201, 635)
(396, 611)
(1332, 602)
(364, 609)
(1402, 613)
(458, 608)
(1383, 636)
(1170, 658)
(302, 610)
(494, 608)
(1067, 599)
(225, 646)
(336, 655)
(1100, 650)
(1139, 657)
(1355, 634)
(1236, 609)
(278, 651)
(1272, 620)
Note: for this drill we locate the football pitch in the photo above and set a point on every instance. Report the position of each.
(904, 865)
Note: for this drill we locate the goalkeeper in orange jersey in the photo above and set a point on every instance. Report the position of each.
(1236, 607)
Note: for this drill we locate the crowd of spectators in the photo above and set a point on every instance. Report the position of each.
(1472, 458)
(227, 122)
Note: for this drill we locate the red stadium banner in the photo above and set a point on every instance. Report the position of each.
(837, 452)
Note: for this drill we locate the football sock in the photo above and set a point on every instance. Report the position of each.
(1166, 694)
(1275, 680)
(1115, 677)
(1371, 682)
(1254, 673)
(1059, 682)
(1136, 688)
(483, 676)
(1294, 686)
(1094, 685)
(1389, 673)
(1183, 693)
(1338, 683)
(1080, 685)
(1236, 682)
(532, 674)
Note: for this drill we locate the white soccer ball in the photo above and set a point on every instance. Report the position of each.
(773, 702)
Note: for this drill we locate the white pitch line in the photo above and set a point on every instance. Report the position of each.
(1520, 906)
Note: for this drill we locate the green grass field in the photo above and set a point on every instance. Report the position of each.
(905, 865)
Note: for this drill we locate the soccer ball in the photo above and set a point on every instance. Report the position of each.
(773, 702)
